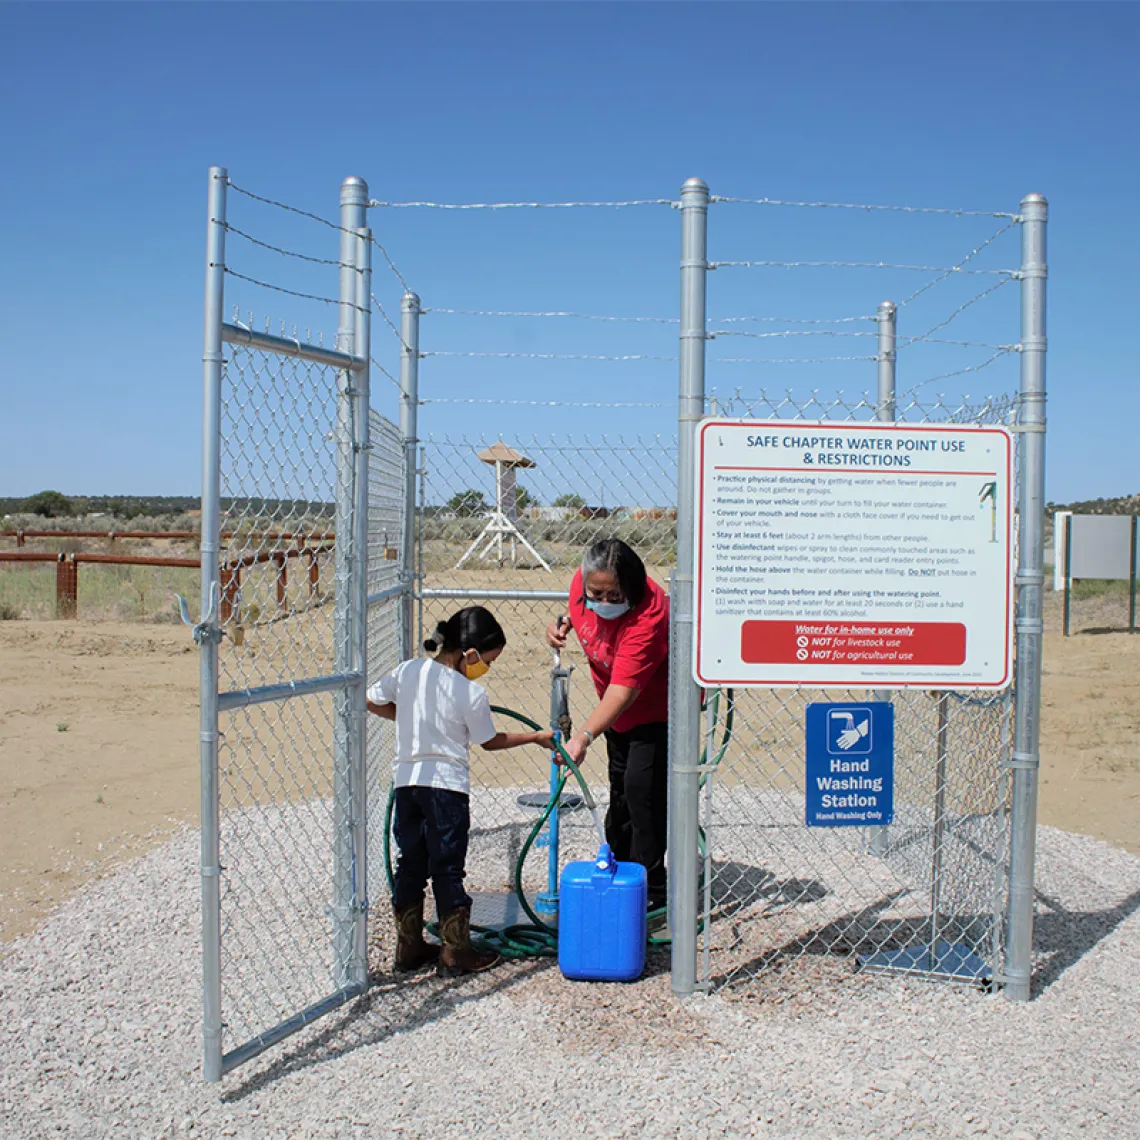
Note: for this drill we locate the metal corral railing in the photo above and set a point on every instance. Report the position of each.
(240, 604)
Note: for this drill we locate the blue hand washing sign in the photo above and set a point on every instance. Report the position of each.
(850, 764)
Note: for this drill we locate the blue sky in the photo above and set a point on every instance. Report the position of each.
(112, 114)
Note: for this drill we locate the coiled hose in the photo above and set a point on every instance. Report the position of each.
(538, 939)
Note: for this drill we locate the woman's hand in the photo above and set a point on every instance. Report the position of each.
(545, 739)
(576, 748)
(557, 633)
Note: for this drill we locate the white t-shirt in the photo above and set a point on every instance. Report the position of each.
(438, 713)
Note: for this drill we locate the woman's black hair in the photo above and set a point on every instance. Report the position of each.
(621, 560)
(472, 628)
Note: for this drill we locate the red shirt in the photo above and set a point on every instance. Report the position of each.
(632, 651)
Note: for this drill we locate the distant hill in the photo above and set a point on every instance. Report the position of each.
(158, 506)
(1121, 505)
(145, 506)
(121, 506)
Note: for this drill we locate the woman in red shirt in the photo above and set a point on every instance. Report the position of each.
(621, 618)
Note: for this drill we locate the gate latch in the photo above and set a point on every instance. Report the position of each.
(204, 631)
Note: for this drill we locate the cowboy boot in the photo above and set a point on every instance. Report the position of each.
(458, 955)
(412, 951)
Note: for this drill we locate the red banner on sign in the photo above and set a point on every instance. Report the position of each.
(853, 643)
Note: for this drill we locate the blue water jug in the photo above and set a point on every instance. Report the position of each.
(601, 919)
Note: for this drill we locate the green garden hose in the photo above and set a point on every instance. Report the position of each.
(538, 939)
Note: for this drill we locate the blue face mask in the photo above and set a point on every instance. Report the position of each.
(607, 611)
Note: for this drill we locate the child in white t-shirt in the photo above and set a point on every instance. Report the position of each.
(439, 711)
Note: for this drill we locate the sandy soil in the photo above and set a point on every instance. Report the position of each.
(98, 747)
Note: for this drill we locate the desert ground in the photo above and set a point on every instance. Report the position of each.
(99, 758)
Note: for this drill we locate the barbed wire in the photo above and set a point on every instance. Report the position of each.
(324, 222)
(859, 206)
(957, 268)
(855, 265)
(962, 308)
(285, 252)
(647, 320)
(387, 319)
(786, 332)
(520, 205)
(548, 356)
(391, 264)
(904, 341)
(580, 316)
(792, 320)
(380, 367)
(542, 403)
(957, 372)
(291, 292)
(792, 360)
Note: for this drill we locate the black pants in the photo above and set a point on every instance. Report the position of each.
(431, 829)
(638, 816)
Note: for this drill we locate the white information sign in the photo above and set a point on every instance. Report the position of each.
(853, 555)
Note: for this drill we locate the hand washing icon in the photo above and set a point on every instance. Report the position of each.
(849, 731)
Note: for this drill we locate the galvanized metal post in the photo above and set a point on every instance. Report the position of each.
(888, 333)
(409, 429)
(684, 694)
(209, 633)
(362, 347)
(1030, 581)
(353, 201)
(1068, 548)
(1132, 559)
(878, 837)
(938, 837)
(420, 554)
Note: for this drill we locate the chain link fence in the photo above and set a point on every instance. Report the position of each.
(519, 546)
(773, 891)
(326, 578)
(924, 895)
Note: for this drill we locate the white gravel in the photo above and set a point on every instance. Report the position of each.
(100, 1035)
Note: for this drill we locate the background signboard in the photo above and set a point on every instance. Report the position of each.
(853, 555)
(1101, 547)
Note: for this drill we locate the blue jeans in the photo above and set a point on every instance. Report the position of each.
(431, 829)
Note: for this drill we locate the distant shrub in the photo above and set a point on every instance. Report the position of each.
(49, 505)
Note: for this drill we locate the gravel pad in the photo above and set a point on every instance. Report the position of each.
(100, 1035)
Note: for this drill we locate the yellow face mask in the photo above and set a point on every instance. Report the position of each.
(473, 670)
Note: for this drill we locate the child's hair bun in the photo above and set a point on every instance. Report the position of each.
(435, 643)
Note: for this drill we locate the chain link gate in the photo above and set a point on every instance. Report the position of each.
(387, 591)
(294, 495)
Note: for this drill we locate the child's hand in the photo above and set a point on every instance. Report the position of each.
(545, 739)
